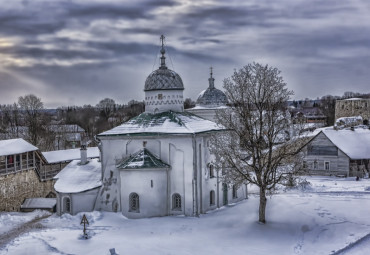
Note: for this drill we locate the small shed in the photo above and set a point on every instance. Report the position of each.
(41, 203)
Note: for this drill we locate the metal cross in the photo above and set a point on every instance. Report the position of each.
(162, 40)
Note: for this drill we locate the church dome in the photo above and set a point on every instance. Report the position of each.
(163, 79)
(211, 97)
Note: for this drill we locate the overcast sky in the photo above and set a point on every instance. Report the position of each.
(80, 51)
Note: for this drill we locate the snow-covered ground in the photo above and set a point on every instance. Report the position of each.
(331, 214)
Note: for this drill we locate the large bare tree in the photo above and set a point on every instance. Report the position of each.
(257, 148)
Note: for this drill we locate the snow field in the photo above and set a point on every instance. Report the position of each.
(329, 216)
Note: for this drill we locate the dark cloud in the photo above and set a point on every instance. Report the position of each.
(107, 48)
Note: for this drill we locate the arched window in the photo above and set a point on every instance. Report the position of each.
(134, 203)
(212, 197)
(67, 205)
(235, 192)
(176, 202)
(211, 171)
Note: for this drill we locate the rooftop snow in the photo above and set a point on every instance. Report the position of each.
(39, 203)
(142, 159)
(165, 122)
(68, 155)
(15, 146)
(356, 144)
(76, 178)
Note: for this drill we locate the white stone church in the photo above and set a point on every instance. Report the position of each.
(156, 164)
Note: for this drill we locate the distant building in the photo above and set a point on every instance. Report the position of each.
(338, 152)
(353, 107)
(208, 101)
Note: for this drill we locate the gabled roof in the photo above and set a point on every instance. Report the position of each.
(69, 155)
(355, 144)
(142, 159)
(164, 123)
(75, 178)
(15, 146)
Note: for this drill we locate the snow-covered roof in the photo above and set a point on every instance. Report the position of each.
(142, 159)
(355, 144)
(68, 155)
(15, 146)
(39, 203)
(165, 123)
(76, 178)
(202, 107)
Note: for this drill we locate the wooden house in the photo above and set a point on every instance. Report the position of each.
(338, 152)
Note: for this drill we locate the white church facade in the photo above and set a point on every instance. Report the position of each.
(156, 164)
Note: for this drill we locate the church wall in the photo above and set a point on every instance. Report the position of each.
(151, 186)
(80, 202)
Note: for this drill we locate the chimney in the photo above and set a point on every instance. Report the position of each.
(83, 151)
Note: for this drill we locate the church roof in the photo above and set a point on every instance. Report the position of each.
(75, 178)
(164, 123)
(163, 78)
(142, 159)
(211, 97)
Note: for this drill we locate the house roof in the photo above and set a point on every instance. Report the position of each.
(69, 155)
(355, 144)
(15, 146)
(142, 159)
(75, 178)
(164, 123)
(39, 203)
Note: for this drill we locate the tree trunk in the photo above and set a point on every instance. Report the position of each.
(262, 208)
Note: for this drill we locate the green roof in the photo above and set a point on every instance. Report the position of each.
(164, 123)
(142, 159)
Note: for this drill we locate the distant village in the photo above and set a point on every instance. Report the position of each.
(152, 158)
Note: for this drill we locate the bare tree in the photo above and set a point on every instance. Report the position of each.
(255, 149)
(31, 107)
(106, 106)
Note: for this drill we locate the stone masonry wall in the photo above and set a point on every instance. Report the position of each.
(15, 187)
(352, 107)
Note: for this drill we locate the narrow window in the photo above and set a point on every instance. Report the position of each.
(315, 165)
(212, 197)
(176, 202)
(211, 171)
(134, 203)
(305, 164)
(151, 183)
(327, 165)
(160, 96)
(67, 205)
(235, 192)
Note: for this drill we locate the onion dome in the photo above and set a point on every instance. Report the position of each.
(211, 97)
(163, 78)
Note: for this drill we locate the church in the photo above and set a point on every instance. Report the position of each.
(156, 164)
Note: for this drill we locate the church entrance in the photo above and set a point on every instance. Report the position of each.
(224, 189)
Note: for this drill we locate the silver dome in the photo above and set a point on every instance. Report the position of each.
(212, 97)
(163, 79)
